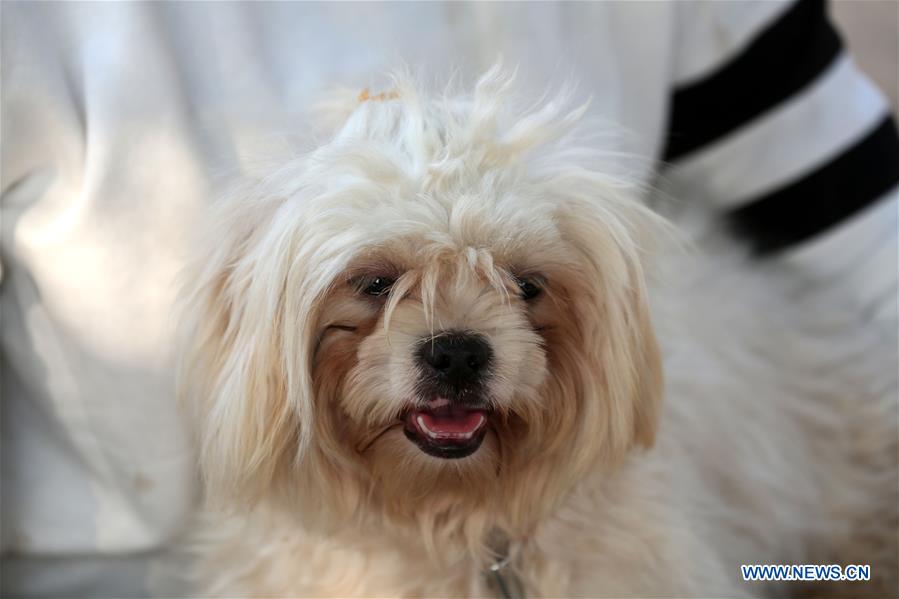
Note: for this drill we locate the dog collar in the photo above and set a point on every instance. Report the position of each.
(504, 578)
(507, 582)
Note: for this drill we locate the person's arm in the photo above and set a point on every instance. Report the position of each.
(773, 123)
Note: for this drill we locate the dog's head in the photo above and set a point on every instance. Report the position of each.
(440, 312)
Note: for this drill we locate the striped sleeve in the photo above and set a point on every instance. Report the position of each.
(772, 122)
(773, 125)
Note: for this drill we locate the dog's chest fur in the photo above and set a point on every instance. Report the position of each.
(569, 554)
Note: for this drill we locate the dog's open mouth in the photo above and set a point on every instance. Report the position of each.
(444, 430)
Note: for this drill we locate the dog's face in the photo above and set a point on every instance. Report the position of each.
(432, 347)
(427, 315)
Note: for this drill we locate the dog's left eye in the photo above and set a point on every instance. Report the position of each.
(377, 286)
(529, 288)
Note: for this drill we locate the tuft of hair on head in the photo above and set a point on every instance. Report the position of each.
(450, 130)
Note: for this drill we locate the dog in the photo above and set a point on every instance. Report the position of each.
(424, 360)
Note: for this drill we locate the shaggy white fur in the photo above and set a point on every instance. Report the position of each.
(776, 441)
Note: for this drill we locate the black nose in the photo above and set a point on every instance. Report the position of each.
(460, 359)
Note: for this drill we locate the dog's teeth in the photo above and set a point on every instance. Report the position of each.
(424, 427)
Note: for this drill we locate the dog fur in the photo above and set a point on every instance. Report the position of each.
(776, 441)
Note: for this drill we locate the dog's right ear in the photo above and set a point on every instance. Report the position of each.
(245, 353)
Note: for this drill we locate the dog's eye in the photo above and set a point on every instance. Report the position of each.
(377, 286)
(529, 289)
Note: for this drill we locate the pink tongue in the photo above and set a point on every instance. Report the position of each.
(456, 422)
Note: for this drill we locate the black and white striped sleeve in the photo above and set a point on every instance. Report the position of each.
(772, 122)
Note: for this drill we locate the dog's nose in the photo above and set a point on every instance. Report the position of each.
(458, 358)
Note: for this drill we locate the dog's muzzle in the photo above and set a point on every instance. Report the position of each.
(451, 421)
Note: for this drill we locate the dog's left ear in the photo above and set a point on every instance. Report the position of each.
(614, 318)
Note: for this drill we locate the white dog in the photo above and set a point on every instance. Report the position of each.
(420, 362)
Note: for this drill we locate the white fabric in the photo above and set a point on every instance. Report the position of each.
(119, 122)
(710, 35)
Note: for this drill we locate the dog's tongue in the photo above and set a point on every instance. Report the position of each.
(456, 423)
(442, 418)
